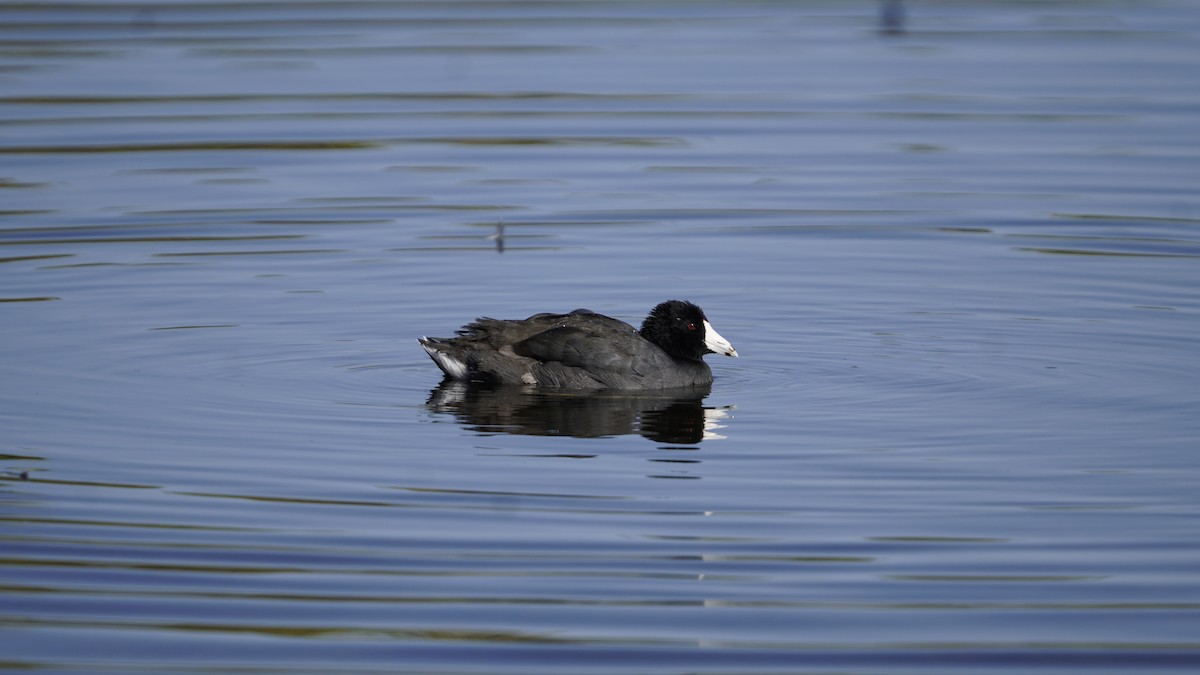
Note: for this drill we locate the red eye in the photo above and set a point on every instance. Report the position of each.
(691, 326)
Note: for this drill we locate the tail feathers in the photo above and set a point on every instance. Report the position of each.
(453, 367)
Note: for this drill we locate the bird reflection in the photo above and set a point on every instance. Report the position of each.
(675, 416)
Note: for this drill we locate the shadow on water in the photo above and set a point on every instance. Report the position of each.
(676, 416)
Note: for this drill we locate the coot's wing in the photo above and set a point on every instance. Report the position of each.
(593, 342)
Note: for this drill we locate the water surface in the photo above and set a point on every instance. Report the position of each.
(959, 263)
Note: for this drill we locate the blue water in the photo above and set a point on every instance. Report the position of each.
(960, 266)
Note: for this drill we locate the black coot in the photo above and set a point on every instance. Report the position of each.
(584, 350)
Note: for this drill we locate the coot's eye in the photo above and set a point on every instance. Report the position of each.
(691, 326)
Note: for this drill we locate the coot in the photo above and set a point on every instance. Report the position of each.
(584, 350)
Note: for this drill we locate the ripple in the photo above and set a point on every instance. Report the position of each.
(205, 146)
(24, 258)
(40, 298)
(390, 50)
(635, 141)
(196, 326)
(1099, 252)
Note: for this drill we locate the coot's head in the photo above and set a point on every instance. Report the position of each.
(682, 330)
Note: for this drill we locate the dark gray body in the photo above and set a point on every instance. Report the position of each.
(579, 350)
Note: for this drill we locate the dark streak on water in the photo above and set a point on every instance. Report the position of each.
(957, 251)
